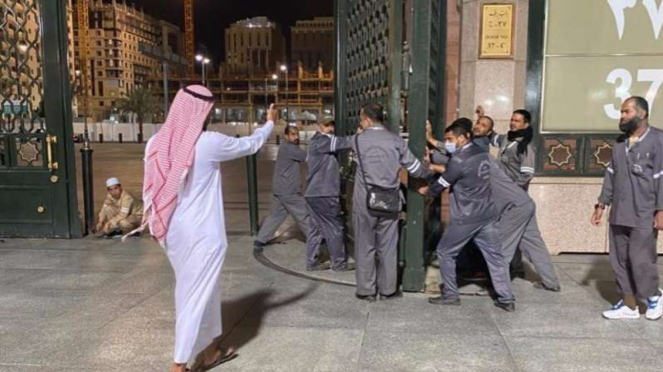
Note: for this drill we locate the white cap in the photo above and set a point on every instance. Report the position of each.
(112, 182)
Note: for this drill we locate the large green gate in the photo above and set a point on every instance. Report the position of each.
(393, 52)
(37, 175)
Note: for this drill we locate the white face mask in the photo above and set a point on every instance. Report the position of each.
(450, 147)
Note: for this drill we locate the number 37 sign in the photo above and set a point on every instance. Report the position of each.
(597, 54)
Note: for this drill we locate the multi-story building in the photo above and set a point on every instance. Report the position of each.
(116, 64)
(254, 45)
(171, 38)
(306, 97)
(312, 43)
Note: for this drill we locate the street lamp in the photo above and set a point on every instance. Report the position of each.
(284, 68)
(203, 61)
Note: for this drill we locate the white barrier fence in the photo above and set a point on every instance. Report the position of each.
(111, 130)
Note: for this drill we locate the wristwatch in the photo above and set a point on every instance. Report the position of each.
(599, 205)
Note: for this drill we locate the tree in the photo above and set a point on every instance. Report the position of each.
(140, 102)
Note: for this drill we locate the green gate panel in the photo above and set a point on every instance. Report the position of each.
(369, 69)
(37, 176)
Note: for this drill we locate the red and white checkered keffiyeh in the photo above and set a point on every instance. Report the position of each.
(169, 156)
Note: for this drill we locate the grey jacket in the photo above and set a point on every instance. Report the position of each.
(468, 175)
(505, 191)
(383, 153)
(287, 179)
(518, 166)
(324, 178)
(632, 182)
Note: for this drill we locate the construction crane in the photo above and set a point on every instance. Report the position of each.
(83, 46)
(83, 52)
(189, 47)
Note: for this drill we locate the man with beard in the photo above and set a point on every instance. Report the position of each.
(287, 193)
(517, 155)
(632, 187)
(483, 132)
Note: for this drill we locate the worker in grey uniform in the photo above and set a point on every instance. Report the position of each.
(633, 187)
(473, 217)
(517, 154)
(322, 197)
(287, 194)
(519, 228)
(382, 154)
(517, 222)
(517, 158)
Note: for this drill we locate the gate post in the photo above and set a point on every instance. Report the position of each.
(252, 175)
(88, 187)
(425, 101)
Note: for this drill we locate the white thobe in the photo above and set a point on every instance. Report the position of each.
(196, 241)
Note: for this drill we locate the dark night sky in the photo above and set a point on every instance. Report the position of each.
(211, 17)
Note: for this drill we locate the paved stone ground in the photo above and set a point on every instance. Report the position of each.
(100, 305)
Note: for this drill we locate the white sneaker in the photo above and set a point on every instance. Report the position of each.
(621, 311)
(655, 306)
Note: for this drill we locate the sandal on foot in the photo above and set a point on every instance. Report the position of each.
(223, 355)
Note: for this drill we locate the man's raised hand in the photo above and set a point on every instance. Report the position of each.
(272, 113)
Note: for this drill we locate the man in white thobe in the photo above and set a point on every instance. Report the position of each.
(193, 232)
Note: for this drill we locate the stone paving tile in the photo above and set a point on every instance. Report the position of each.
(412, 352)
(582, 355)
(571, 293)
(584, 273)
(413, 314)
(294, 349)
(9, 277)
(565, 320)
(293, 312)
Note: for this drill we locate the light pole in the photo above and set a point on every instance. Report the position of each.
(203, 61)
(284, 68)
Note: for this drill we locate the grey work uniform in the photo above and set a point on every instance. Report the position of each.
(287, 196)
(518, 226)
(473, 217)
(383, 153)
(632, 187)
(322, 197)
(518, 165)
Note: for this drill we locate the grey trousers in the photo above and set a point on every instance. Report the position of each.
(633, 259)
(326, 221)
(376, 250)
(519, 229)
(486, 236)
(282, 205)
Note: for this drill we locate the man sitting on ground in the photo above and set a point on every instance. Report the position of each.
(121, 212)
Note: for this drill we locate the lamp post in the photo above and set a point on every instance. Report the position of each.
(203, 61)
(284, 68)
